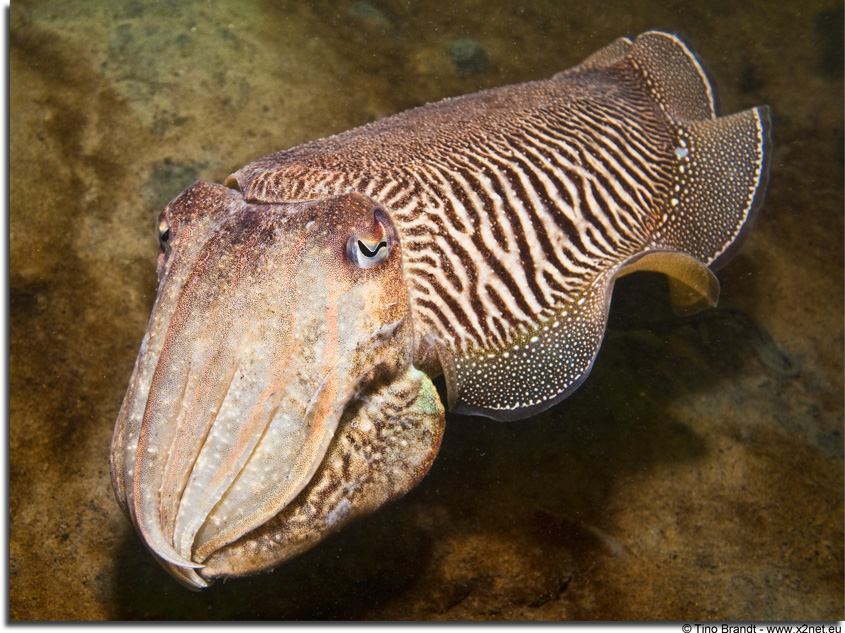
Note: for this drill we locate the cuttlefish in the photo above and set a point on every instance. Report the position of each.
(284, 384)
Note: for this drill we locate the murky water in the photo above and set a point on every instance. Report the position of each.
(698, 474)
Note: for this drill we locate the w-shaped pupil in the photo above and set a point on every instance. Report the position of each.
(371, 253)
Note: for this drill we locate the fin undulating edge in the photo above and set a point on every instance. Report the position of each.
(765, 151)
(720, 180)
(602, 58)
(538, 369)
(674, 76)
(692, 285)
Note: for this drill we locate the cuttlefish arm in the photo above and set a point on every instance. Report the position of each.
(274, 396)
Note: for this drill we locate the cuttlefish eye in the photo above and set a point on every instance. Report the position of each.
(369, 248)
(163, 230)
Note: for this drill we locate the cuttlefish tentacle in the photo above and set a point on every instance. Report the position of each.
(284, 384)
(172, 448)
(229, 431)
(387, 444)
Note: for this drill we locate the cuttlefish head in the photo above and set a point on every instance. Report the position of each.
(274, 396)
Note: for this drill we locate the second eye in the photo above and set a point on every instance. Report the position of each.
(163, 230)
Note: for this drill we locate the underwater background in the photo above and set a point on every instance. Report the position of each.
(697, 474)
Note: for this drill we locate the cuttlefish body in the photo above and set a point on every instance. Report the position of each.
(284, 383)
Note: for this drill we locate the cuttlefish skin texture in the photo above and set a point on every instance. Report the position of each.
(283, 386)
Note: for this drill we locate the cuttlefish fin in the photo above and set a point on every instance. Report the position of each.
(546, 363)
(692, 286)
(536, 369)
